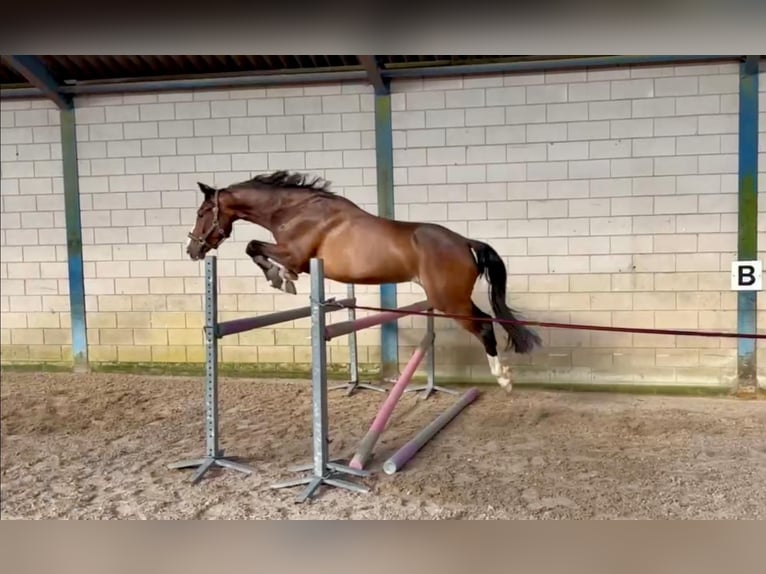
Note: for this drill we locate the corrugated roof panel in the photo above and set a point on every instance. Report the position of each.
(10, 76)
(81, 68)
(107, 68)
(77, 68)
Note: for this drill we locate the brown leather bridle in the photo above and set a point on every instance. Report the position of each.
(216, 225)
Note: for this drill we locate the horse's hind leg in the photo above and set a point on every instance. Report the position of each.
(481, 327)
(450, 290)
(498, 364)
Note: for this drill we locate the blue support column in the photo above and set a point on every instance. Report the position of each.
(384, 153)
(747, 248)
(34, 70)
(74, 238)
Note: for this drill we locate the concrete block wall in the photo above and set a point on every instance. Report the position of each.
(34, 303)
(145, 155)
(611, 195)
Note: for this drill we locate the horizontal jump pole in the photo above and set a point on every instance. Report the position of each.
(248, 323)
(402, 456)
(346, 327)
(379, 424)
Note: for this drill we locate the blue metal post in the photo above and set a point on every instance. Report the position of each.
(34, 70)
(389, 340)
(74, 238)
(747, 301)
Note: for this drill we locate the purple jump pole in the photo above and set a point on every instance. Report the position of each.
(249, 323)
(379, 424)
(406, 452)
(346, 327)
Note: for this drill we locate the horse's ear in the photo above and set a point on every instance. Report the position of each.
(206, 189)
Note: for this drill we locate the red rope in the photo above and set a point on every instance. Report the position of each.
(574, 326)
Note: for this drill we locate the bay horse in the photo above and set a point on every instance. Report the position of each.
(308, 220)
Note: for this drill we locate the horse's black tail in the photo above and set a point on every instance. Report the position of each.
(492, 267)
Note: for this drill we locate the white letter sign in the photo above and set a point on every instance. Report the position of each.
(746, 276)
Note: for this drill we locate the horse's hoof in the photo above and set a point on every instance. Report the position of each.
(290, 288)
(505, 384)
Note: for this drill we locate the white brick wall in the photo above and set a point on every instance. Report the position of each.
(33, 282)
(611, 195)
(140, 195)
(614, 181)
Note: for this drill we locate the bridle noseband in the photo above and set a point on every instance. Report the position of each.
(216, 225)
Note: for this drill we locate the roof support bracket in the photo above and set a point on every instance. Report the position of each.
(36, 73)
(374, 75)
(751, 64)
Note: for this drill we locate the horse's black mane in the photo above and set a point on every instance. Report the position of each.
(284, 179)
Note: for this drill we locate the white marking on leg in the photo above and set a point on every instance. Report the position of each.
(504, 373)
(493, 365)
(501, 369)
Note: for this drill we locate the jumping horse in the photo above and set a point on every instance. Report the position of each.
(308, 220)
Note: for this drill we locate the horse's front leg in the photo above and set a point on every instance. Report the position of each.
(261, 253)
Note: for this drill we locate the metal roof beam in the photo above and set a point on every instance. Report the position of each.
(37, 74)
(547, 65)
(193, 83)
(374, 75)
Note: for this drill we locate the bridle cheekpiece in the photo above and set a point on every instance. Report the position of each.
(216, 225)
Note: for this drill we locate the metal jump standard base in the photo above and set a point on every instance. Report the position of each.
(353, 383)
(213, 454)
(352, 325)
(214, 331)
(430, 386)
(324, 472)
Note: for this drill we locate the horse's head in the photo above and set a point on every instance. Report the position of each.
(213, 224)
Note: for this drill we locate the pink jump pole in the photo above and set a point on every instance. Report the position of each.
(346, 327)
(365, 447)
